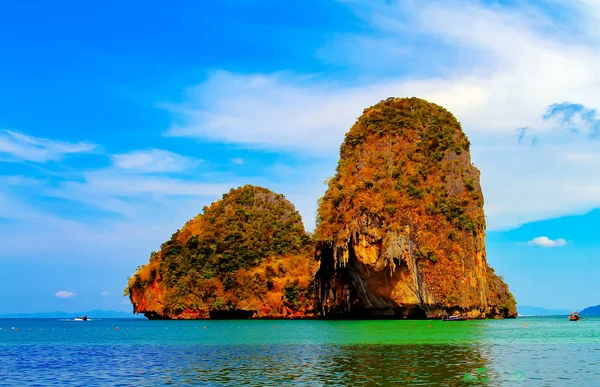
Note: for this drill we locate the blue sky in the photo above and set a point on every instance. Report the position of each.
(118, 123)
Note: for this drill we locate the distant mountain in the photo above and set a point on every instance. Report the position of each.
(96, 313)
(591, 311)
(539, 311)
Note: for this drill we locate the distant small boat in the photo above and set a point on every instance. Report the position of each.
(82, 318)
(456, 318)
(574, 317)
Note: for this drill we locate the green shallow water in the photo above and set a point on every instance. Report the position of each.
(526, 351)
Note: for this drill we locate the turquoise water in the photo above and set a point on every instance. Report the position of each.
(528, 351)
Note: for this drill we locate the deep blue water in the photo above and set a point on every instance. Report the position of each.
(528, 351)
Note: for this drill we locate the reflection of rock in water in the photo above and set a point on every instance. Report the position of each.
(407, 364)
(332, 355)
(334, 365)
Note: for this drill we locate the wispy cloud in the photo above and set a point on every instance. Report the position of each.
(509, 71)
(18, 180)
(257, 111)
(575, 117)
(132, 195)
(237, 160)
(513, 71)
(65, 294)
(511, 66)
(547, 242)
(20, 147)
(153, 160)
(125, 209)
(105, 293)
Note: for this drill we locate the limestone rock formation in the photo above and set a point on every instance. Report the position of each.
(401, 230)
(245, 256)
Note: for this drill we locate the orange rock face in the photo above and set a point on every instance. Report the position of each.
(401, 229)
(400, 233)
(245, 256)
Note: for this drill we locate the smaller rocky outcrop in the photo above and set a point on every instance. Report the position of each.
(246, 256)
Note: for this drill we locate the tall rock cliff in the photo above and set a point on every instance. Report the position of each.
(245, 256)
(401, 230)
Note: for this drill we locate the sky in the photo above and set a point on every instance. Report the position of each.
(118, 123)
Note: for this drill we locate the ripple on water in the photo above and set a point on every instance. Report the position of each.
(143, 353)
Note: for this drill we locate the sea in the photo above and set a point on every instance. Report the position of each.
(526, 351)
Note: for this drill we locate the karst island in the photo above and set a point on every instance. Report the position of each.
(400, 233)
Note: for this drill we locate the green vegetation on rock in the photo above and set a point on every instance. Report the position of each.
(241, 248)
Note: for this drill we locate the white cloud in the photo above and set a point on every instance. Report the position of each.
(65, 294)
(153, 160)
(266, 111)
(511, 71)
(237, 160)
(547, 242)
(105, 293)
(20, 181)
(519, 72)
(94, 237)
(14, 207)
(144, 210)
(21, 147)
(132, 194)
(513, 63)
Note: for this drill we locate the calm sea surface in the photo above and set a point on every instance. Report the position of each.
(527, 351)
